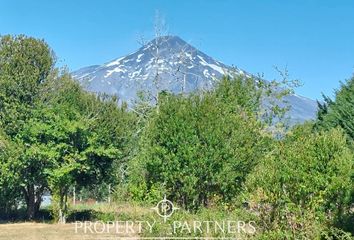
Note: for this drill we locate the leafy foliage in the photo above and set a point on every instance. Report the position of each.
(59, 131)
(10, 191)
(25, 63)
(339, 112)
(199, 148)
(303, 184)
(224, 147)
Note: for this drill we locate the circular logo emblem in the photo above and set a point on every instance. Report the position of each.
(165, 208)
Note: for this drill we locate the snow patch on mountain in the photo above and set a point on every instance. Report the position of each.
(178, 66)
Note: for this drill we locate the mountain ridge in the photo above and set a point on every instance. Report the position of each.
(179, 66)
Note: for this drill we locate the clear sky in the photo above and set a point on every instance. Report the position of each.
(313, 38)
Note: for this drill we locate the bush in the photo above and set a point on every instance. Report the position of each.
(198, 148)
(303, 186)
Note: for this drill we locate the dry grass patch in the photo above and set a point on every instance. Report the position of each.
(40, 231)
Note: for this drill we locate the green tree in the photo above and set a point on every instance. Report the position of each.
(62, 135)
(200, 148)
(110, 120)
(303, 185)
(25, 63)
(338, 112)
(9, 179)
(60, 151)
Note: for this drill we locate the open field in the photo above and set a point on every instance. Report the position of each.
(41, 231)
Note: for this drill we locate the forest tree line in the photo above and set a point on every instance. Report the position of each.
(210, 149)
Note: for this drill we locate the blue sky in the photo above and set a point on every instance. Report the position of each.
(313, 38)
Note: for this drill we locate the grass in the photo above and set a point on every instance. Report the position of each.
(41, 231)
(45, 229)
(116, 212)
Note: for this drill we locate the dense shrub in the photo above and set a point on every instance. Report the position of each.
(198, 149)
(340, 111)
(303, 186)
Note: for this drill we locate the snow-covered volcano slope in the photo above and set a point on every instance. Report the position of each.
(169, 63)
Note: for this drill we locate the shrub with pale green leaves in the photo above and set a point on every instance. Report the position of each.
(303, 186)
